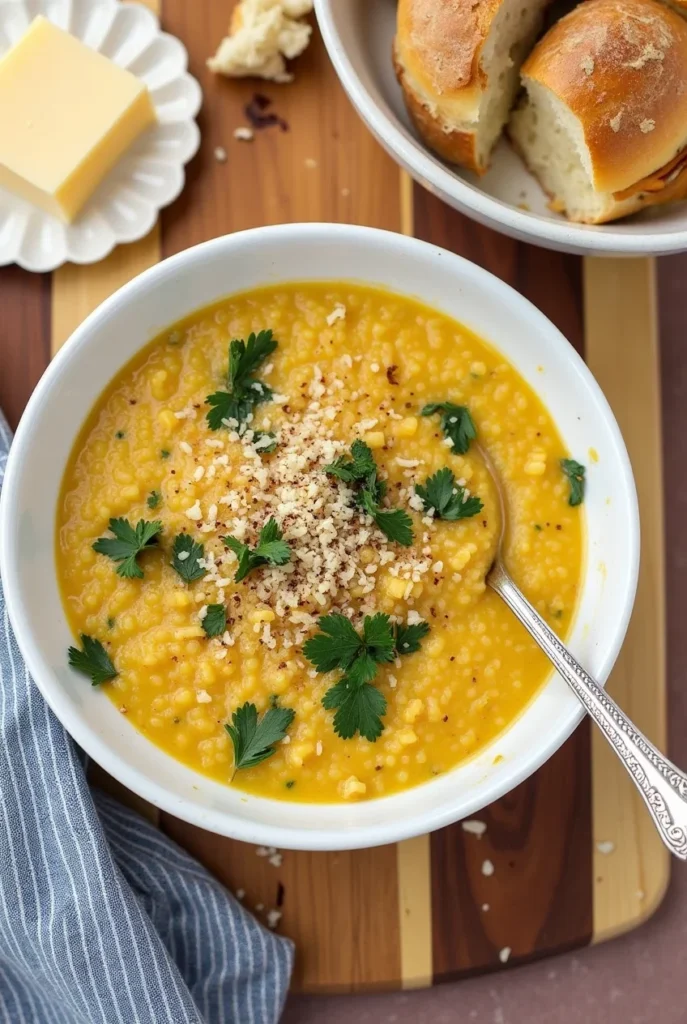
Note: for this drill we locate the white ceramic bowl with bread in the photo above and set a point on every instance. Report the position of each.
(577, 141)
(118, 329)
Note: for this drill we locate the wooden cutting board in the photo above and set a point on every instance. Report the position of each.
(422, 911)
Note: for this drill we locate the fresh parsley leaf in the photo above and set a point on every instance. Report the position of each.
(246, 356)
(456, 422)
(378, 637)
(359, 709)
(153, 499)
(128, 543)
(120, 435)
(253, 739)
(185, 554)
(359, 705)
(335, 646)
(395, 523)
(164, 454)
(271, 549)
(214, 622)
(244, 391)
(447, 498)
(290, 784)
(359, 467)
(226, 406)
(407, 637)
(110, 623)
(361, 471)
(93, 660)
(575, 472)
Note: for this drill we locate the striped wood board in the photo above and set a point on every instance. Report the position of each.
(411, 914)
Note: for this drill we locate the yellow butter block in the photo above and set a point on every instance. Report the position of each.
(67, 115)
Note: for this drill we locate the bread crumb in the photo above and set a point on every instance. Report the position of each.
(487, 868)
(485, 907)
(606, 846)
(310, 163)
(244, 134)
(504, 954)
(647, 125)
(345, 192)
(220, 154)
(240, 893)
(263, 35)
(273, 918)
(474, 827)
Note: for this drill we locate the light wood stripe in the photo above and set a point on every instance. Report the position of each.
(413, 857)
(622, 350)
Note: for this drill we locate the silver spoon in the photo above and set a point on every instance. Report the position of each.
(662, 785)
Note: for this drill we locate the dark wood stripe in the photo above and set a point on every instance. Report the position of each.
(539, 836)
(24, 337)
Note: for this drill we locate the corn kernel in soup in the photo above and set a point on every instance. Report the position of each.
(192, 646)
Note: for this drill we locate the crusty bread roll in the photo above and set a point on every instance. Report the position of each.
(457, 62)
(603, 125)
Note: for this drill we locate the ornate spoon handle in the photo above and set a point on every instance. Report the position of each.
(661, 784)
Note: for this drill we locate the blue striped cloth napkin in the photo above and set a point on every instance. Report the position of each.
(103, 918)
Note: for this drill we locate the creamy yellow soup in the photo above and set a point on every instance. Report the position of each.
(352, 362)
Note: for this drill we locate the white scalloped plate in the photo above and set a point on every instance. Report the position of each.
(149, 176)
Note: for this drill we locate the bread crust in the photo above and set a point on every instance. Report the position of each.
(437, 53)
(620, 66)
(455, 146)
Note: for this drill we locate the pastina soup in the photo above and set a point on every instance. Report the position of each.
(273, 552)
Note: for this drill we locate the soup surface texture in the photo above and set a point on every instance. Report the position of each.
(351, 362)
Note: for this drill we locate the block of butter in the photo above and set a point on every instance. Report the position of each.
(67, 115)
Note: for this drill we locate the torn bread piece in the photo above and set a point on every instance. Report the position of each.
(458, 64)
(263, 35)
(603, 124)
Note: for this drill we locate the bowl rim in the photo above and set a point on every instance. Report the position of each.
(223, 822)
(436, 176)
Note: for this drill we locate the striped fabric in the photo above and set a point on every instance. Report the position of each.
(102, 918)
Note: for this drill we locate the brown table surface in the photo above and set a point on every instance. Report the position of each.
(640, 977)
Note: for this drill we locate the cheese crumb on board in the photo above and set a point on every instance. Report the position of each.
(263, 35)
(475, 828)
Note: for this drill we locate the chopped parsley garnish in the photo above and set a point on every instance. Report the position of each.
(264, 442)
(120, 435)
(457, 424)
(355, 469)
(110, 623)
(359, 705)
(164, 454)
(575, 472)
(153, 499)
(93, 660)
(244, 390)
(447, 498)
(361, 472)
(253, 738)
(290, 784)
(214, 622)
(128, 543)
(185, 555)
(271, 549)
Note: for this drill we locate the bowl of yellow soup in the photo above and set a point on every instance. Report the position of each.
(246, 525)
